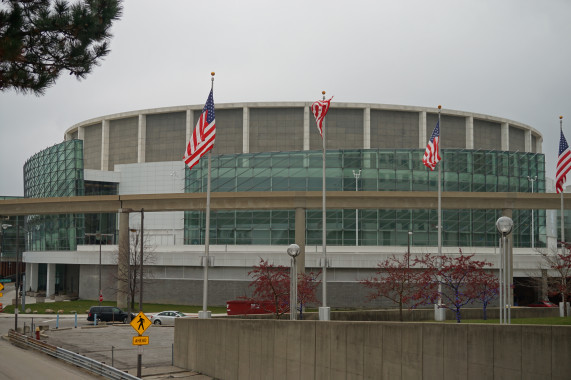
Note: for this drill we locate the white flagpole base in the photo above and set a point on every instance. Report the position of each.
(324, 313)
(204, 314)
(439, 313)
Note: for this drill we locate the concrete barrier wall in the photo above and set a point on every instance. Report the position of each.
(273, 349)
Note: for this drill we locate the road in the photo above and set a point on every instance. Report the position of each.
(18, 364)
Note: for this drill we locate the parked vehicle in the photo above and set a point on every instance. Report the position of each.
(108, 314)
(542, 304)
(166, 317)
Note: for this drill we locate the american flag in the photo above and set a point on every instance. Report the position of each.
(432, 153)
(319, 109)
(203, 136)
(563, 163)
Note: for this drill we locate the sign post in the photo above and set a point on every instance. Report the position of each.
(140, 323)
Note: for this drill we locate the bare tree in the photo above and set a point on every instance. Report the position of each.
(132, 273)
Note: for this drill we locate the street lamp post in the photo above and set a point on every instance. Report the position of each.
(357, 175)
(532, 180)
(505, 226)
(408, 259)
(293, 251)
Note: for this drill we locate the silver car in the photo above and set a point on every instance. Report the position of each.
(166, 317)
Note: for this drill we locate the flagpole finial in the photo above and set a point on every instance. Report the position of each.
(560, 117)
(213, 73)
(439, 107)
(323, 92)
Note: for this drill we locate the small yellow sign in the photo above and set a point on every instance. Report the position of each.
(140, 340)
(1, 294)
(1, 286)
(140, 323)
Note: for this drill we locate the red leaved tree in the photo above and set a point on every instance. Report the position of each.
(307, 284)
(456, 277)
(559, 271)
(486, 288)
(271, 285)
(399, 282)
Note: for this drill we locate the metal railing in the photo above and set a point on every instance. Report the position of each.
(89, 364)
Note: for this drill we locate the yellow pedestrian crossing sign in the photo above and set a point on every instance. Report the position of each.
(140, 323)
(1, 286)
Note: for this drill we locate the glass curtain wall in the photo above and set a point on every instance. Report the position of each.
(55, 172)
(381, 170)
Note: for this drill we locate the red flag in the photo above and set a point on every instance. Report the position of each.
(432, 153)
(203, 136)
(319, 109)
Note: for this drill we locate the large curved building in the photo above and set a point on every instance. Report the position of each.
(276, 147)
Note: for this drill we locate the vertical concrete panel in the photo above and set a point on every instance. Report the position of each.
(307, 340)
(180, 344)
(480, 352)
(507, 352)
(356, 333)
(123, 260)
(456, 352)
(561, 352)
(230, 350)
(338, 333)
(192, 345)
(322, 350)
(266, 329)
(392, 351)
(373, 351)
(536, 352)
(293, 349)
(280, 350)
(433, 351)
(244, 335)
(411, 339)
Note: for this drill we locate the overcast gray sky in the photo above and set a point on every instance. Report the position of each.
(507, 58)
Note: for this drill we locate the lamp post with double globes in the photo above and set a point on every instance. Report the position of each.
(293, 251)
(505, 225)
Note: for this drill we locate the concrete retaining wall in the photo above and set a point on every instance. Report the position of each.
(265, 349)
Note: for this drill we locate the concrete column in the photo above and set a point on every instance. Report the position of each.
(142, 140)
(528, 141)
(470, 132)
(51, 280)
(189, 125)
(422, 139)
(123, 262)
(32, 276)
(306, 128)
(81, 133)
(505, 137)
(245, 130)
(538, 145)
(300, 238)
(367, 128)
(105, 145)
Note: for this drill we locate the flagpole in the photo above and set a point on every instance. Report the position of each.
(205, 314)
(324, 311)
(562, 191)
(439, 316)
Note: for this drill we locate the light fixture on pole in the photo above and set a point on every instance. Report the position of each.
(532, 180)
(505, 225)
(293, 251)
(357, 175)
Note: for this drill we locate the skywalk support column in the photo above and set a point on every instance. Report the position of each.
(123, 260)
(51, 281)
(300, 238)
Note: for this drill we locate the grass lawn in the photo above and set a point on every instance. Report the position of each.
(82, 306)
(523, 321)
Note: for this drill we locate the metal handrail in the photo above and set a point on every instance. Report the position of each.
(78, 360)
